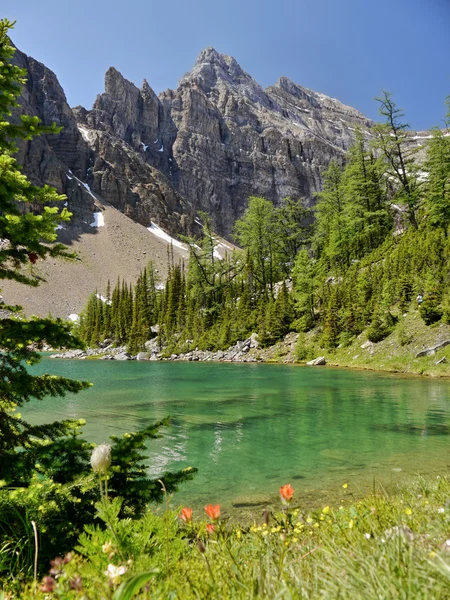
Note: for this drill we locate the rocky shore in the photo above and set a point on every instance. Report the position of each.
(245, 351)
(242, 351)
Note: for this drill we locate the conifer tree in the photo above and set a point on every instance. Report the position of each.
(332, 236)
(26, 239)
(402, 170)
(437, 168)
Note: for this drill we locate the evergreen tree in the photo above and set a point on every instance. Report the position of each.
(258, 231)
(402, 170)
(332, 237)
(26, 238)
(437, 168)
(366, 210)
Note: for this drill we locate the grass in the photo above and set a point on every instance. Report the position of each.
(385, 546)
(397, 352)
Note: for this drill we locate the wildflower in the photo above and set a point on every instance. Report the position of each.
(114, 573)
(101, 458)
(408, 511)
(57, 566)
(367, 536)
(210, 528)
(238, 534)
(286, 493)
(441, 510)
(345, 486)
(48, 584)
(76, 584)
(107, 547)
(326, 510)
(186, 515)
(351, 523)
(432, 554)
(213, 512)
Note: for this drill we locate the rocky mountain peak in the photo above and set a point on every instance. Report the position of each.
(215, 72)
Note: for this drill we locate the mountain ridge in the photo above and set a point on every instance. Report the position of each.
(208, 145)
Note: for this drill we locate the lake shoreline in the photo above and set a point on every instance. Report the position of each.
(283, 352)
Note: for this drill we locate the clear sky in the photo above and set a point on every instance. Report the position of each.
(347, 49)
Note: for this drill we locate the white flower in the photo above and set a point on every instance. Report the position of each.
(114, 572)
(441, 510)
(367, 536)
(101, 458)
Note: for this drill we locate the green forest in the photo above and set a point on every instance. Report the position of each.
(375, 240)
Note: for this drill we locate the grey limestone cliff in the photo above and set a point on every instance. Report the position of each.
(220, 137)
(210, 144)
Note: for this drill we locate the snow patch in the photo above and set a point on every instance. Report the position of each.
(164, 236)
(99, 220)
(68, 176)
(74, 318)
(103, 299)
(59, 226)
(162, 148)
(144, 146)
(85, 133)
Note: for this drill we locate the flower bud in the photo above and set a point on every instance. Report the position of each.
(101, 458)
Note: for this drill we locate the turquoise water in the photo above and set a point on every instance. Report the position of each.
(250, 428)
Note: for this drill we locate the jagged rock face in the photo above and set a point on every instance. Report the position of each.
(99, 158)
(220, 137)
(208, 145)
(48, 159)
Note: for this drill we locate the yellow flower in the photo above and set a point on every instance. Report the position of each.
(309, 520)
(408, 511)
(326, 510)
(351, 523)
(432, 554)
(316, 525)
(238, 534)
(345, 486)
(341, 508)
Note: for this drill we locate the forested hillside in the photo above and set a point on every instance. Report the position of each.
(376, 239)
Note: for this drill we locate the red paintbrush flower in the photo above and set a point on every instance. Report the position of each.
(186, 515)
(213, 512)
(286, 493)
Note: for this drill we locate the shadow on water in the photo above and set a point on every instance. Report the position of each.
(422, 430)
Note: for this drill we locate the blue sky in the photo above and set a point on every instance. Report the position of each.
(347, 49)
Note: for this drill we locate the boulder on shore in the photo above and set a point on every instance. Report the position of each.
(320, 360)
